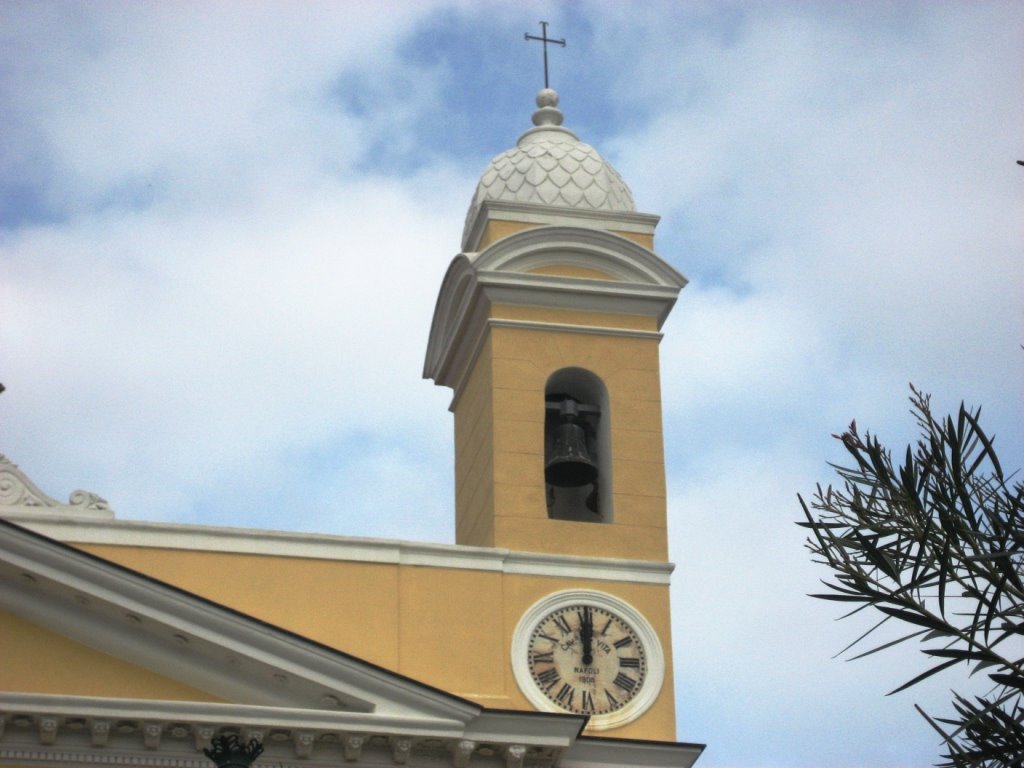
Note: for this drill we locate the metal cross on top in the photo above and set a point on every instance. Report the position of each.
(545, 40)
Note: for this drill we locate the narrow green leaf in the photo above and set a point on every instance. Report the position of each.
(1012, 681)
(922, 620)
(989, 450)
(924, 675)
(889, 644)
(962, 655)
(842, 598)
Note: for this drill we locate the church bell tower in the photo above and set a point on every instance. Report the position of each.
(547, 329)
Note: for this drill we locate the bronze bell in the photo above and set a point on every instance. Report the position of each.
(570, 465)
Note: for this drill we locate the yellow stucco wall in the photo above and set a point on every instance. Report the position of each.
(499, 437)
(448, 627)
(35, 660)
(496, 229)
(474, 457)
(565, 270)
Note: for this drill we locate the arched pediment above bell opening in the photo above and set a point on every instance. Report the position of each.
(551, 268)
(557, 250)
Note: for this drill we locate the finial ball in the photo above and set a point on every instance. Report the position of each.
(547, 97)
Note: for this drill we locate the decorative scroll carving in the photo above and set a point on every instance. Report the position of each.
(463, 751)
(248, 734)
(48, 730)
(400, 749)
(17, 490)
(151, 734)
(25, 497)
(353, 747)
(203, 734)
(303, 744)
(514, 756)
(89, 501)
(99, 730)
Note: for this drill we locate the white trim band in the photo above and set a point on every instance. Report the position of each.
(132, 533)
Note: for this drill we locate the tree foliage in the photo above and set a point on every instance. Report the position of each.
(936, 543)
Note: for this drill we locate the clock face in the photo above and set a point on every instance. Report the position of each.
(589, 653)
(587, 659)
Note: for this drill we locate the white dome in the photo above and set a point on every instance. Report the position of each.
(550, 166)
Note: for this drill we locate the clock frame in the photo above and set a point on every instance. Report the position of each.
(622, 675)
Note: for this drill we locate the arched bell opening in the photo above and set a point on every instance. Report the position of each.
(577, 455)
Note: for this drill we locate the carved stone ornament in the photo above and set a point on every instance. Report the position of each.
(20, 497)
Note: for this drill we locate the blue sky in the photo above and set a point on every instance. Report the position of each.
(223, 228)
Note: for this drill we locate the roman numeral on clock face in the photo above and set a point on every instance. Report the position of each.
(627, 663)
(548, 678)
(624, 682)
(588, 701)
(563, 625)
(540, 658)
(565, 695)
(623, 642)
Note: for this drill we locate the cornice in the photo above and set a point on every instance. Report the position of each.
(328, 547)
(200, 643)
(76, 730)
(593, 751)
(596, 330)
(578, 293)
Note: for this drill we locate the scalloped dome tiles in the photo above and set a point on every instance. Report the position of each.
(550, 166)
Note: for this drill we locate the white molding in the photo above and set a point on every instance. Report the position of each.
(460, 305)
(575, 246)
(237, 715)
(578, 293)
(571, 597)
(596, 330)
(531, 213)
(327, 547)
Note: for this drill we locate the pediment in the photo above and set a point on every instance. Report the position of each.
(228, 655)
(200, 669)
(37, 660)
(575, 247)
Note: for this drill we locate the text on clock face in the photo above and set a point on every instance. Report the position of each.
(586, 659)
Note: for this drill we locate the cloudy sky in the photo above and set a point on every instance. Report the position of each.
(223, 227)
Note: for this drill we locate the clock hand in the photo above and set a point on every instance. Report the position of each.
(587, 636)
